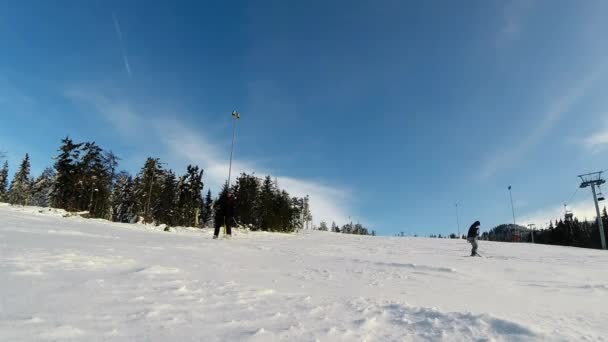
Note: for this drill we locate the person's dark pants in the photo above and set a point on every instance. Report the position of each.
(216, 232)
(473, 242)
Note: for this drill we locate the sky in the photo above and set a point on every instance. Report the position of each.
(386, 113)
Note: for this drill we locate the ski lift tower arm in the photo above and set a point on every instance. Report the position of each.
(593, 178)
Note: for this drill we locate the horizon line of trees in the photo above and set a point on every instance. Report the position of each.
(84, 178)
(574, 233)
(349, 228)
(570, 232)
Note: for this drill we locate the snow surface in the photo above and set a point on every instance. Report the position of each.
(71, 278)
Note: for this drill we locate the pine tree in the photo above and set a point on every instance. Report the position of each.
(124, 205)
(111, 163)
(360, 230)
(323, 226)
(247, 192)
(207, 213)
(165, 209)
(307, 215)
(95, 182)
(4, 183)
(190, 197)
(347, 229)
(266, 212)
(64, 193)
(297, 219)
(605, 221)
(42, 188)
(220, 207)
(20, 190)
(283, 212)
(148, 186)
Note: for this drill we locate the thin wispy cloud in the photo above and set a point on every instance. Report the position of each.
(183, 144)
(119, 114)
(597, 140)
(127, 66)
(122, 45)
(327, 203)
(117, 27)
(582, 209)
(514, 18)
(516, 152)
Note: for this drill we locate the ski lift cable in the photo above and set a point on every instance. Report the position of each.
(572, 197)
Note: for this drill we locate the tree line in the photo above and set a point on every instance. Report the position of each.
(84, 178)
(571, 232)
(349, 228)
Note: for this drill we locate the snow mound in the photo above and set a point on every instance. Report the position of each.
(36, 262)
(156, 269)
(62, 332)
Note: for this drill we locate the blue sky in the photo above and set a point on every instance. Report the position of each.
(385, 111)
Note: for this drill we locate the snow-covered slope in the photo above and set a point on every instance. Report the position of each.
(77, 279)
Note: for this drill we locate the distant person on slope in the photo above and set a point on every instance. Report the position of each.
(472, 237)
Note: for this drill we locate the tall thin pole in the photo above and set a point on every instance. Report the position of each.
(531, 226)
(512, 207)
(236, 115)
(148, 200)
(593, 179)
(458, 221)
(599, 218)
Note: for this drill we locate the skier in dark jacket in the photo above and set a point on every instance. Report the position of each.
(229, 218)
(472, 237)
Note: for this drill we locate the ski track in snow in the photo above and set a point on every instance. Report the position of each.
(71, 279)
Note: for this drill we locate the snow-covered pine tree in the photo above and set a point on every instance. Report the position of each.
(347, 228)
(42, 188)
(196, 194)
(123, 199)
(297, 221)
(4, 183)
(307, 215)
(323, 226)
(359, 229)
(207, 212)
(21, 187)
(64, 193)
